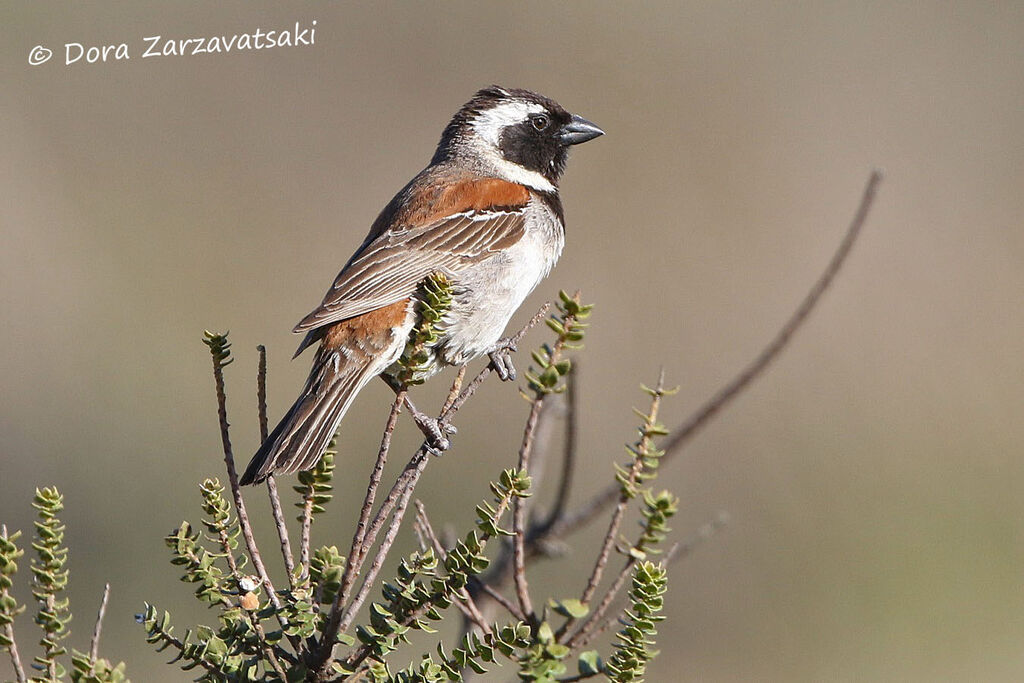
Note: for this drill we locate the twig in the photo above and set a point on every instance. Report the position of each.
(519, 516)
(677, 552)
(568, 454)
(236, 493)
(690, 427)
(519, 505)
(261, 390)
(415, 469)
(626, 493)
(359, 547)
(275, 499)
(12, 649)
(305, 534)
(282, 529)
(94, 647)
(453, 393)
(512, 607)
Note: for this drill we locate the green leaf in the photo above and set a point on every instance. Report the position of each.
(590, 663)
(571, 608)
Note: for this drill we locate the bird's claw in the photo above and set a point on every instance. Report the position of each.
(436, 432)
(501, 360)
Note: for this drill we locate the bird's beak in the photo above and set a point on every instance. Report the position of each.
(578, 130)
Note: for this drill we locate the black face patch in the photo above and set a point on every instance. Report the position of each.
(534, 144)
(523, 144)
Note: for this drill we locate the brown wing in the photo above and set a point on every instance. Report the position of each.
(389, 268)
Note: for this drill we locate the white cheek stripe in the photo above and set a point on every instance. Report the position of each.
(514, 173)
(488, 126)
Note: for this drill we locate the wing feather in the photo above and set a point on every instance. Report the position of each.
(391, 267)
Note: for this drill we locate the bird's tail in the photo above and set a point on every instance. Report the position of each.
(300, 439)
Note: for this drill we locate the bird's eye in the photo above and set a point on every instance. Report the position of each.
(540, 122)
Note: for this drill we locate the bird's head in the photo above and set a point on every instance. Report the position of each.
(516, 135)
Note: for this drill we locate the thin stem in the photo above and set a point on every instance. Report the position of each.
(94, 646)
(415, 467)
(359, 547)
(236, 492)
(19, 671)
(678, 551)
(690, 427)
(626, 493)
(568, 454)
(305, 533)
(453, 393)
(519, 516)
(605, 603)
(512, 607)
(275, 499)
(282, 530)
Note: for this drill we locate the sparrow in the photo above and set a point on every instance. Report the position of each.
(486, 214)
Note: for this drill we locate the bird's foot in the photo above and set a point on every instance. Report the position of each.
(501, 360)
(435, 430)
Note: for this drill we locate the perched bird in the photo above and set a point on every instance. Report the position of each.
(486, 214)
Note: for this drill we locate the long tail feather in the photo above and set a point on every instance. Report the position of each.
(300, 439)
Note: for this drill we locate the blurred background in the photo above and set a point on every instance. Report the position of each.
(872, 476)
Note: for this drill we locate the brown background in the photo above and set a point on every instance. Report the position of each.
(872, 476)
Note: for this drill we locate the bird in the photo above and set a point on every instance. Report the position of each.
(486, 214)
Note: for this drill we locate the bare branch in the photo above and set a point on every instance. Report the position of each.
(568, 454)
(519, 516)
(415, 469)
(677, 552)
(359, 547)
(690, 427)
(275, 499)
(512, 607)
(94, 646)
(261, 390)
(305, 531)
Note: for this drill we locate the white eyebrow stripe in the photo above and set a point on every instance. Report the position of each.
(489, 123)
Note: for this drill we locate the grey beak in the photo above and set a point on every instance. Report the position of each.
(579, 130)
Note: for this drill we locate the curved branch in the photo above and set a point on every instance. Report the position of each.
(690, 427)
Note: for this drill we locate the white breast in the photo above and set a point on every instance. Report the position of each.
(492, 291)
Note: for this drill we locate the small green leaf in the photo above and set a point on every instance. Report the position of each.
(590, 663)
(571, 608)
